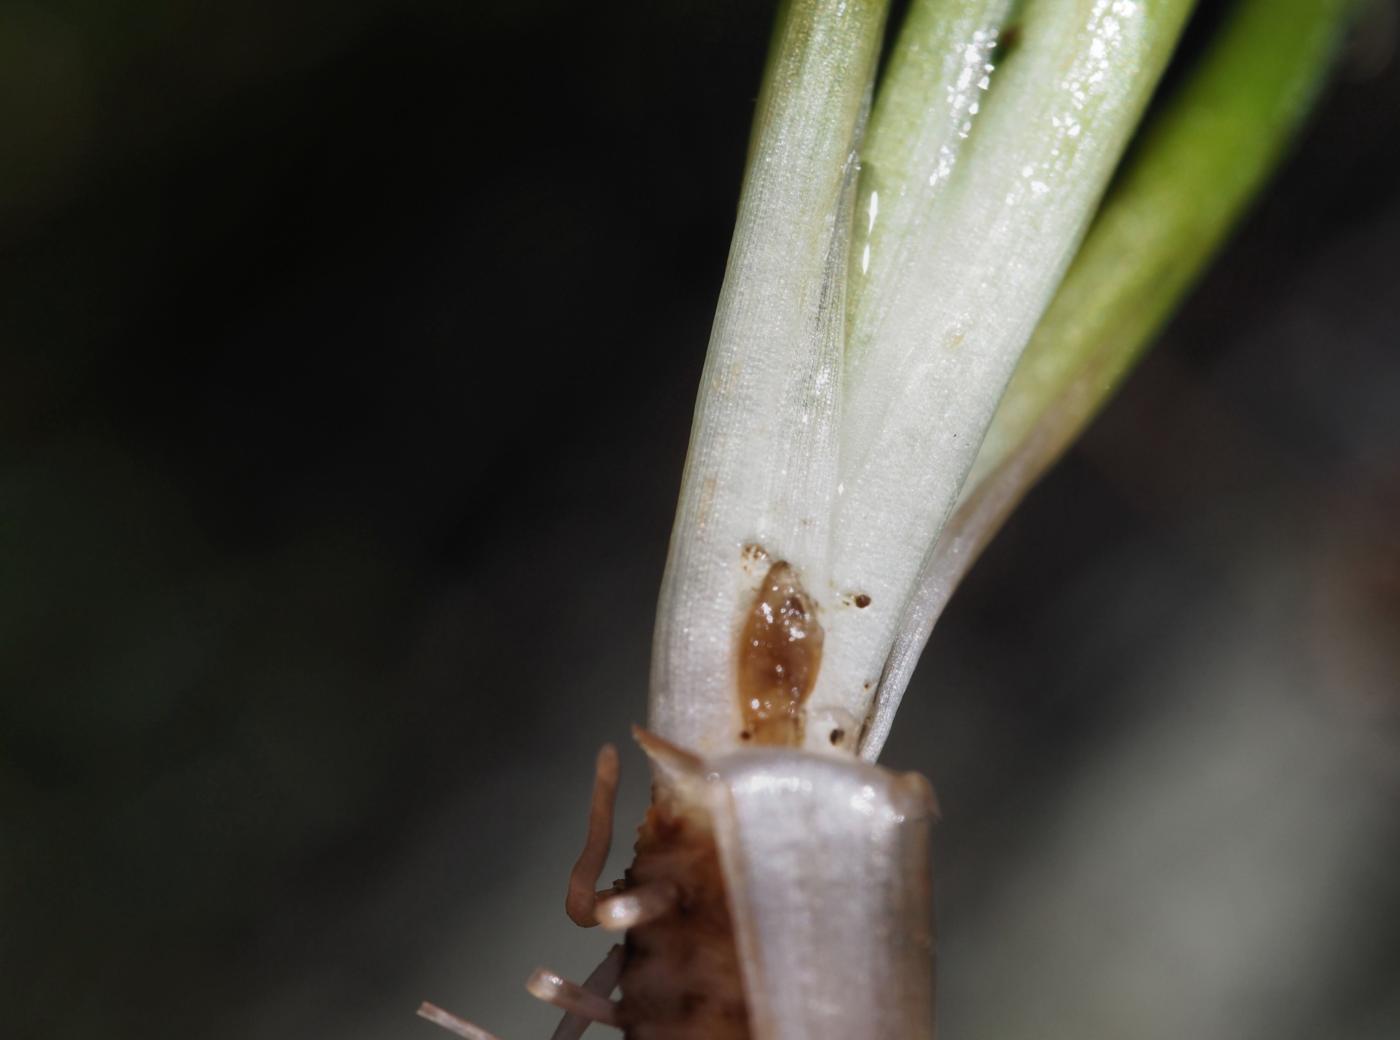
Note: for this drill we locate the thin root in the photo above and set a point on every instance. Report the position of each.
(601, 982)
(571, 997)
(637, 906)
(452, 1023)
(583, 880)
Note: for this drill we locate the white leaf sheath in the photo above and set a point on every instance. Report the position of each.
(761, 471)
(827, 862)
(805, 907)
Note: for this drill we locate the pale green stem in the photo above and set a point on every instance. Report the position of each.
(987, 178)
(1199, 163)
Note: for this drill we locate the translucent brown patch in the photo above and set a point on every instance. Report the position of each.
(780, 653)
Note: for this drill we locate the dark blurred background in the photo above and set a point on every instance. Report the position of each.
(347, 353)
